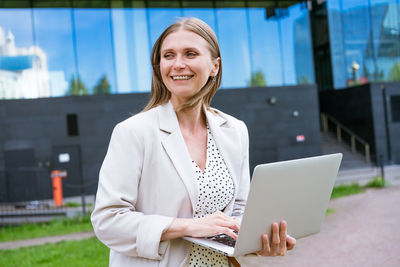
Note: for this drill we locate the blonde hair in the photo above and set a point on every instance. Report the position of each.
(159, 93)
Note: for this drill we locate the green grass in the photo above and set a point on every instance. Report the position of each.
(377, 182)
(355, 188)
(75, 204)
(351, 189)
(346, 190)
(329, 211)
(55, 227)
(85, 253)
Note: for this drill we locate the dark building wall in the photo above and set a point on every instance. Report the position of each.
(273, 128)
(41, 125)
(361, 109)
(392, 89)
(353, 108)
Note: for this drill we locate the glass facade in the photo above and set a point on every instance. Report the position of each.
(70, 49)
(365, 41)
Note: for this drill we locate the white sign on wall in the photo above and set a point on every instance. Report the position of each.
(64, 157)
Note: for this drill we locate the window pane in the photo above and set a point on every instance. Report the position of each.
(54, 37)
(358, 48)
(94, 49)
(160, 19)
(132, 51)
(266, 50)
(354, 33)
(234, 47)
(19, 59)
(205, 14)
(386, 39)
(336, 43)
(296, 47)
(84, 50)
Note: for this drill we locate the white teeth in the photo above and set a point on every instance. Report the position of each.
(181, 77)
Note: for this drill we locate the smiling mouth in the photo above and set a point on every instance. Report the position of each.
(182, 77)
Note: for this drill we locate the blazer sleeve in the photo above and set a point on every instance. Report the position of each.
(244, 180)
(115, 219)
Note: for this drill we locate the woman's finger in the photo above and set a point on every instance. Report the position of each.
(266, 249)
(228, 232)
(266, 246)
(235, 225)
(275, 238)
(220, 214)
(227, 223)
(290, 242)
(282, 235)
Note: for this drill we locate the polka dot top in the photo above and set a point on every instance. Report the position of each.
(216, 190)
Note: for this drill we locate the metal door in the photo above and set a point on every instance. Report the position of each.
(20, 175)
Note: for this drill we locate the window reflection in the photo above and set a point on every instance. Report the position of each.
(205, 14)
(281, 47)
(336, 43)
(234, 45)
(53, 30)
(364, 39)
(131, 50)
(386, 39)
(77, 51)
(93, 50)
(19, 58)
(266, 50)
(356, 34)
(296, 47)
(159, 19)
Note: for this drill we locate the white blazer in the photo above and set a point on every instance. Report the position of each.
(147, 180)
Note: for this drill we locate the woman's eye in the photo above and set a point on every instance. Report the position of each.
(168, 55)
(191, 54)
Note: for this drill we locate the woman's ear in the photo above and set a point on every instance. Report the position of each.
(216, 63)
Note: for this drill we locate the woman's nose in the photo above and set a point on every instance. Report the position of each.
(179, 63)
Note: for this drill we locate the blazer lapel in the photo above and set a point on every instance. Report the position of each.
(176, 149)
(226, 138)
(228, 143)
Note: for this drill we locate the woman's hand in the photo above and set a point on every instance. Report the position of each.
(213, 224)
(281, 242)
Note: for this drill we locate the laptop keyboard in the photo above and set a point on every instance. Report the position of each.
(224, 239)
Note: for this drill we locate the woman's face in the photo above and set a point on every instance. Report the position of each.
(186, 64)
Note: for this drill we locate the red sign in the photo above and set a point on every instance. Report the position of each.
(300, 138)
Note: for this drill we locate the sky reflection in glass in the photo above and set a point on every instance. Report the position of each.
(91, 43)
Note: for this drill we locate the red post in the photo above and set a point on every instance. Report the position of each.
(56, 177)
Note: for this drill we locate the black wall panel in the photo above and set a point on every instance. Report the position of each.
(42, 124)
(361, 109)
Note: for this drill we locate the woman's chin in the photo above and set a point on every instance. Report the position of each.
(182, 97)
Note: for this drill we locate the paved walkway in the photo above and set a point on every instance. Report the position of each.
(45, 240)
(363, 231)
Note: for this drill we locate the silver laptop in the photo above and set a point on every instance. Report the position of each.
(297, 191)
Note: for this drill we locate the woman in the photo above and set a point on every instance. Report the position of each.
(179, 168)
